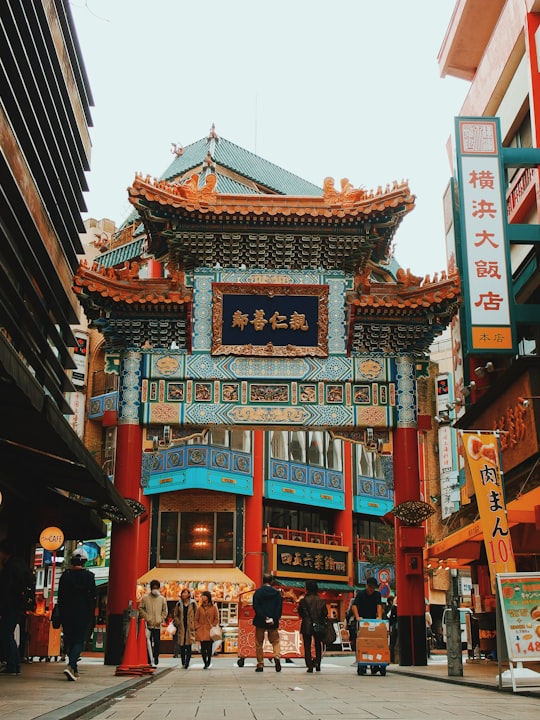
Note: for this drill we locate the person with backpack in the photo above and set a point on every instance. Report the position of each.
(184, 621)
(313, 611)
(76, 605)
(16, 581)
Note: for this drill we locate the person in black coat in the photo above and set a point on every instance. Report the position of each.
(14, 573)
(76, 603)
(312, 607)
(267, 605)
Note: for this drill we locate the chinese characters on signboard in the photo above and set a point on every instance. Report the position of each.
(483, 223)
(482, 454)
(296, 560)
(269, 320)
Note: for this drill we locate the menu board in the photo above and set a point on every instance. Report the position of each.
(519, 601)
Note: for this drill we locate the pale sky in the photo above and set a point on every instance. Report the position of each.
(346, 89)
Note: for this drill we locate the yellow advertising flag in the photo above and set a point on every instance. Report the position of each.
(483, 458)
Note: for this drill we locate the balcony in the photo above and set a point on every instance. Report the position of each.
(521, 194)
(305, 536)
(366, 549)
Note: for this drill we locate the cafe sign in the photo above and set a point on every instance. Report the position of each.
(272, 320)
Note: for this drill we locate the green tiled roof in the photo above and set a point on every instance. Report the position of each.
(242, 162)
(121, 254)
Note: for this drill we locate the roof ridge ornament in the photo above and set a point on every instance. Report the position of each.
(177, 149)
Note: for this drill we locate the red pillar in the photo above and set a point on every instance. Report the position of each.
(124, 560)
(343, 520)
(409, 560)
(253, 521)
(155, 269)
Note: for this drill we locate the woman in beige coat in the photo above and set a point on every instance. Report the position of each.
(184, 620)
(206, 616)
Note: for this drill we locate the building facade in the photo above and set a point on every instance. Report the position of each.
(268, 358)
(48, 477)
(493, 384)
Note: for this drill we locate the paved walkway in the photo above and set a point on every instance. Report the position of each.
(227, 691)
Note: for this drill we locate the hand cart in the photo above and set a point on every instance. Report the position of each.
(290, 638)
(372, 648)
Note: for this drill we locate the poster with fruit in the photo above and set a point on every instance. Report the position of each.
(519, 600)
(482, 455)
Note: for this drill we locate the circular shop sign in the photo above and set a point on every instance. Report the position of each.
(51, 538)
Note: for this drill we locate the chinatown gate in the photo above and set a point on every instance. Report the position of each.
(267, 305)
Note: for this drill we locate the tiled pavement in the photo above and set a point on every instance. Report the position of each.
(227, 691)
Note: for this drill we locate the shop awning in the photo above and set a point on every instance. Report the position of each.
(186, 575)
(321, 584)
(464, 545)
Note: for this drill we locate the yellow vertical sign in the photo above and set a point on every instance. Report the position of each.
(482, 455)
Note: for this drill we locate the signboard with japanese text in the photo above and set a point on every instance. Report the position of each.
(447, 444)
(78, 374)
(309, 560)
(519, 600)
(483, 458)
(269, 320)
(484, 249)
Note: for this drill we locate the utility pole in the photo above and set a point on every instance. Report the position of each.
(453, 632)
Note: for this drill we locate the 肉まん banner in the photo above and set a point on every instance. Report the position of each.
(482, 454)
(519, 596)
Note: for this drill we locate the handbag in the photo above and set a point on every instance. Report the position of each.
(55, 618)
(318, 627)
(215, 632)
(171, 628)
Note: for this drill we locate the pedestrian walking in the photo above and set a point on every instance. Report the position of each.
(367, 605)
(313, 611)
(184, 621)
(15, 578)
(153, 610)
(267, 606)
(391, 616)
(76, 607)
(429, 630)
(207, 616)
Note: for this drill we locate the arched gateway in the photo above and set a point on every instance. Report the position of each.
(280, 309)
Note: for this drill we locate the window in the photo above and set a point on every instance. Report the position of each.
(314, 448)
(319, 521)
(368, 464)
(196, 537)
(232, 439)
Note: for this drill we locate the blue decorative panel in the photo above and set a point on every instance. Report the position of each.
(197, 456)
(289, 492)
(334, 481)
(316, 477)
(371, 506)
(220, 459)
(299, 474)
(102, 403)
(199, 478)
(279, 470)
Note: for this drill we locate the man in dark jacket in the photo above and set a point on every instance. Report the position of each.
(14, 577)
(267, 605)
(76, 603)
(367, 605)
